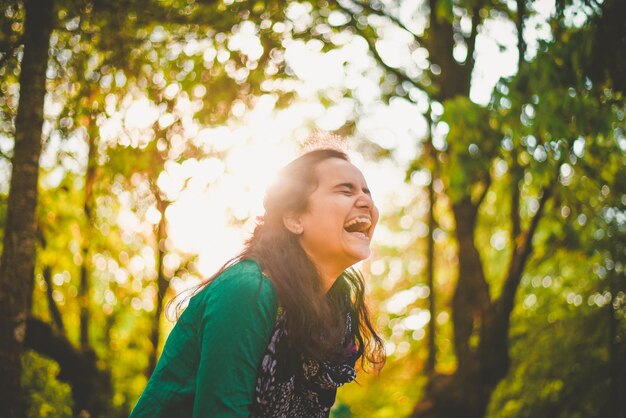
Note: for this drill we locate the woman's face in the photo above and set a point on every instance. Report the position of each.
(337, 227)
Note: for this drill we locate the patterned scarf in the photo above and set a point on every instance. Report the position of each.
(291, 386)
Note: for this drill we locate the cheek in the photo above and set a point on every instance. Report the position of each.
(326, 220)
(376, 216)
(333, 212)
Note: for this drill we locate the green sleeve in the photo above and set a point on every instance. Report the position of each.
(239, 312)
(170, 390)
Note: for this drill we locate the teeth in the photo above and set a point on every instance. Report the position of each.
(357, 220)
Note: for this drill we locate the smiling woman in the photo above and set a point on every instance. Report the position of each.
(280, 326)
(336, 229)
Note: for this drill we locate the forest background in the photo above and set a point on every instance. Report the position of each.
(136, 138)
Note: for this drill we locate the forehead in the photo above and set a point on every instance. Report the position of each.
(335, 171)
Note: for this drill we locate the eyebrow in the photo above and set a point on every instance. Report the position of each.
(352, 187)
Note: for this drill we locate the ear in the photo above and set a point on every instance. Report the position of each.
(293, 223)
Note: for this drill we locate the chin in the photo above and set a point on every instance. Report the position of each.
(360, 255)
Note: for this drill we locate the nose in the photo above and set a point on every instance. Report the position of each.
(365, 201)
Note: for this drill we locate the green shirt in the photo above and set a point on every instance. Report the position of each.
(209, 364)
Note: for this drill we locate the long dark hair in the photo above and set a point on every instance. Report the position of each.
(314, 318)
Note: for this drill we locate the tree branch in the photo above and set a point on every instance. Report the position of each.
(401, 75)
(515, 199)
(494, 342)
(471, 41)
(433, 12)
(55, 314)
(395, 20)
(484, 192)
(519, 24)
(519, 257)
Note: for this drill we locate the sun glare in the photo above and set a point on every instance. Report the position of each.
(215, 212)
(216, 199)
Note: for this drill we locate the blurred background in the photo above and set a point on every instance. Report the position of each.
(137, 137)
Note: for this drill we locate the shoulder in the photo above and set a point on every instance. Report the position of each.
(244, 276)
(243, 282)
(238, 303)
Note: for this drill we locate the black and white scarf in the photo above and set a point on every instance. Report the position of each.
(291, 386)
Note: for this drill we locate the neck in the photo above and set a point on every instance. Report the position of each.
(328, 273)
(328, 280)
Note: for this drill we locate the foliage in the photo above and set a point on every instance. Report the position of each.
(472, 143)
(45, 396)
(560, 345)
(195, 65)
(556, 126)
(558, 123)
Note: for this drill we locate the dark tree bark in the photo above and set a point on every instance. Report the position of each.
(162, 283)
(430, 256)
(430, 273)
(85, 284)
(616, 345)
(18, 257)
(454, 78)
(55, 314)
(519, 24)
(91, 387)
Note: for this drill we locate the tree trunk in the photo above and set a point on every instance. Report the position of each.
(460, 395)
(465, 393)
(83, 295)
(471, 301)
(617, 360)
(162, 286)
(431, 361)
(18, 257)
(480, 324)
(481, 366)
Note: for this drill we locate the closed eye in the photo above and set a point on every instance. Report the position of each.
(345, 188)
(349, 189)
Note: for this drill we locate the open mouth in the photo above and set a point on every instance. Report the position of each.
(358, 226)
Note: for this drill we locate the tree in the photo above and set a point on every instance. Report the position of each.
(115, 32)
(18, 256)
(477, 140)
